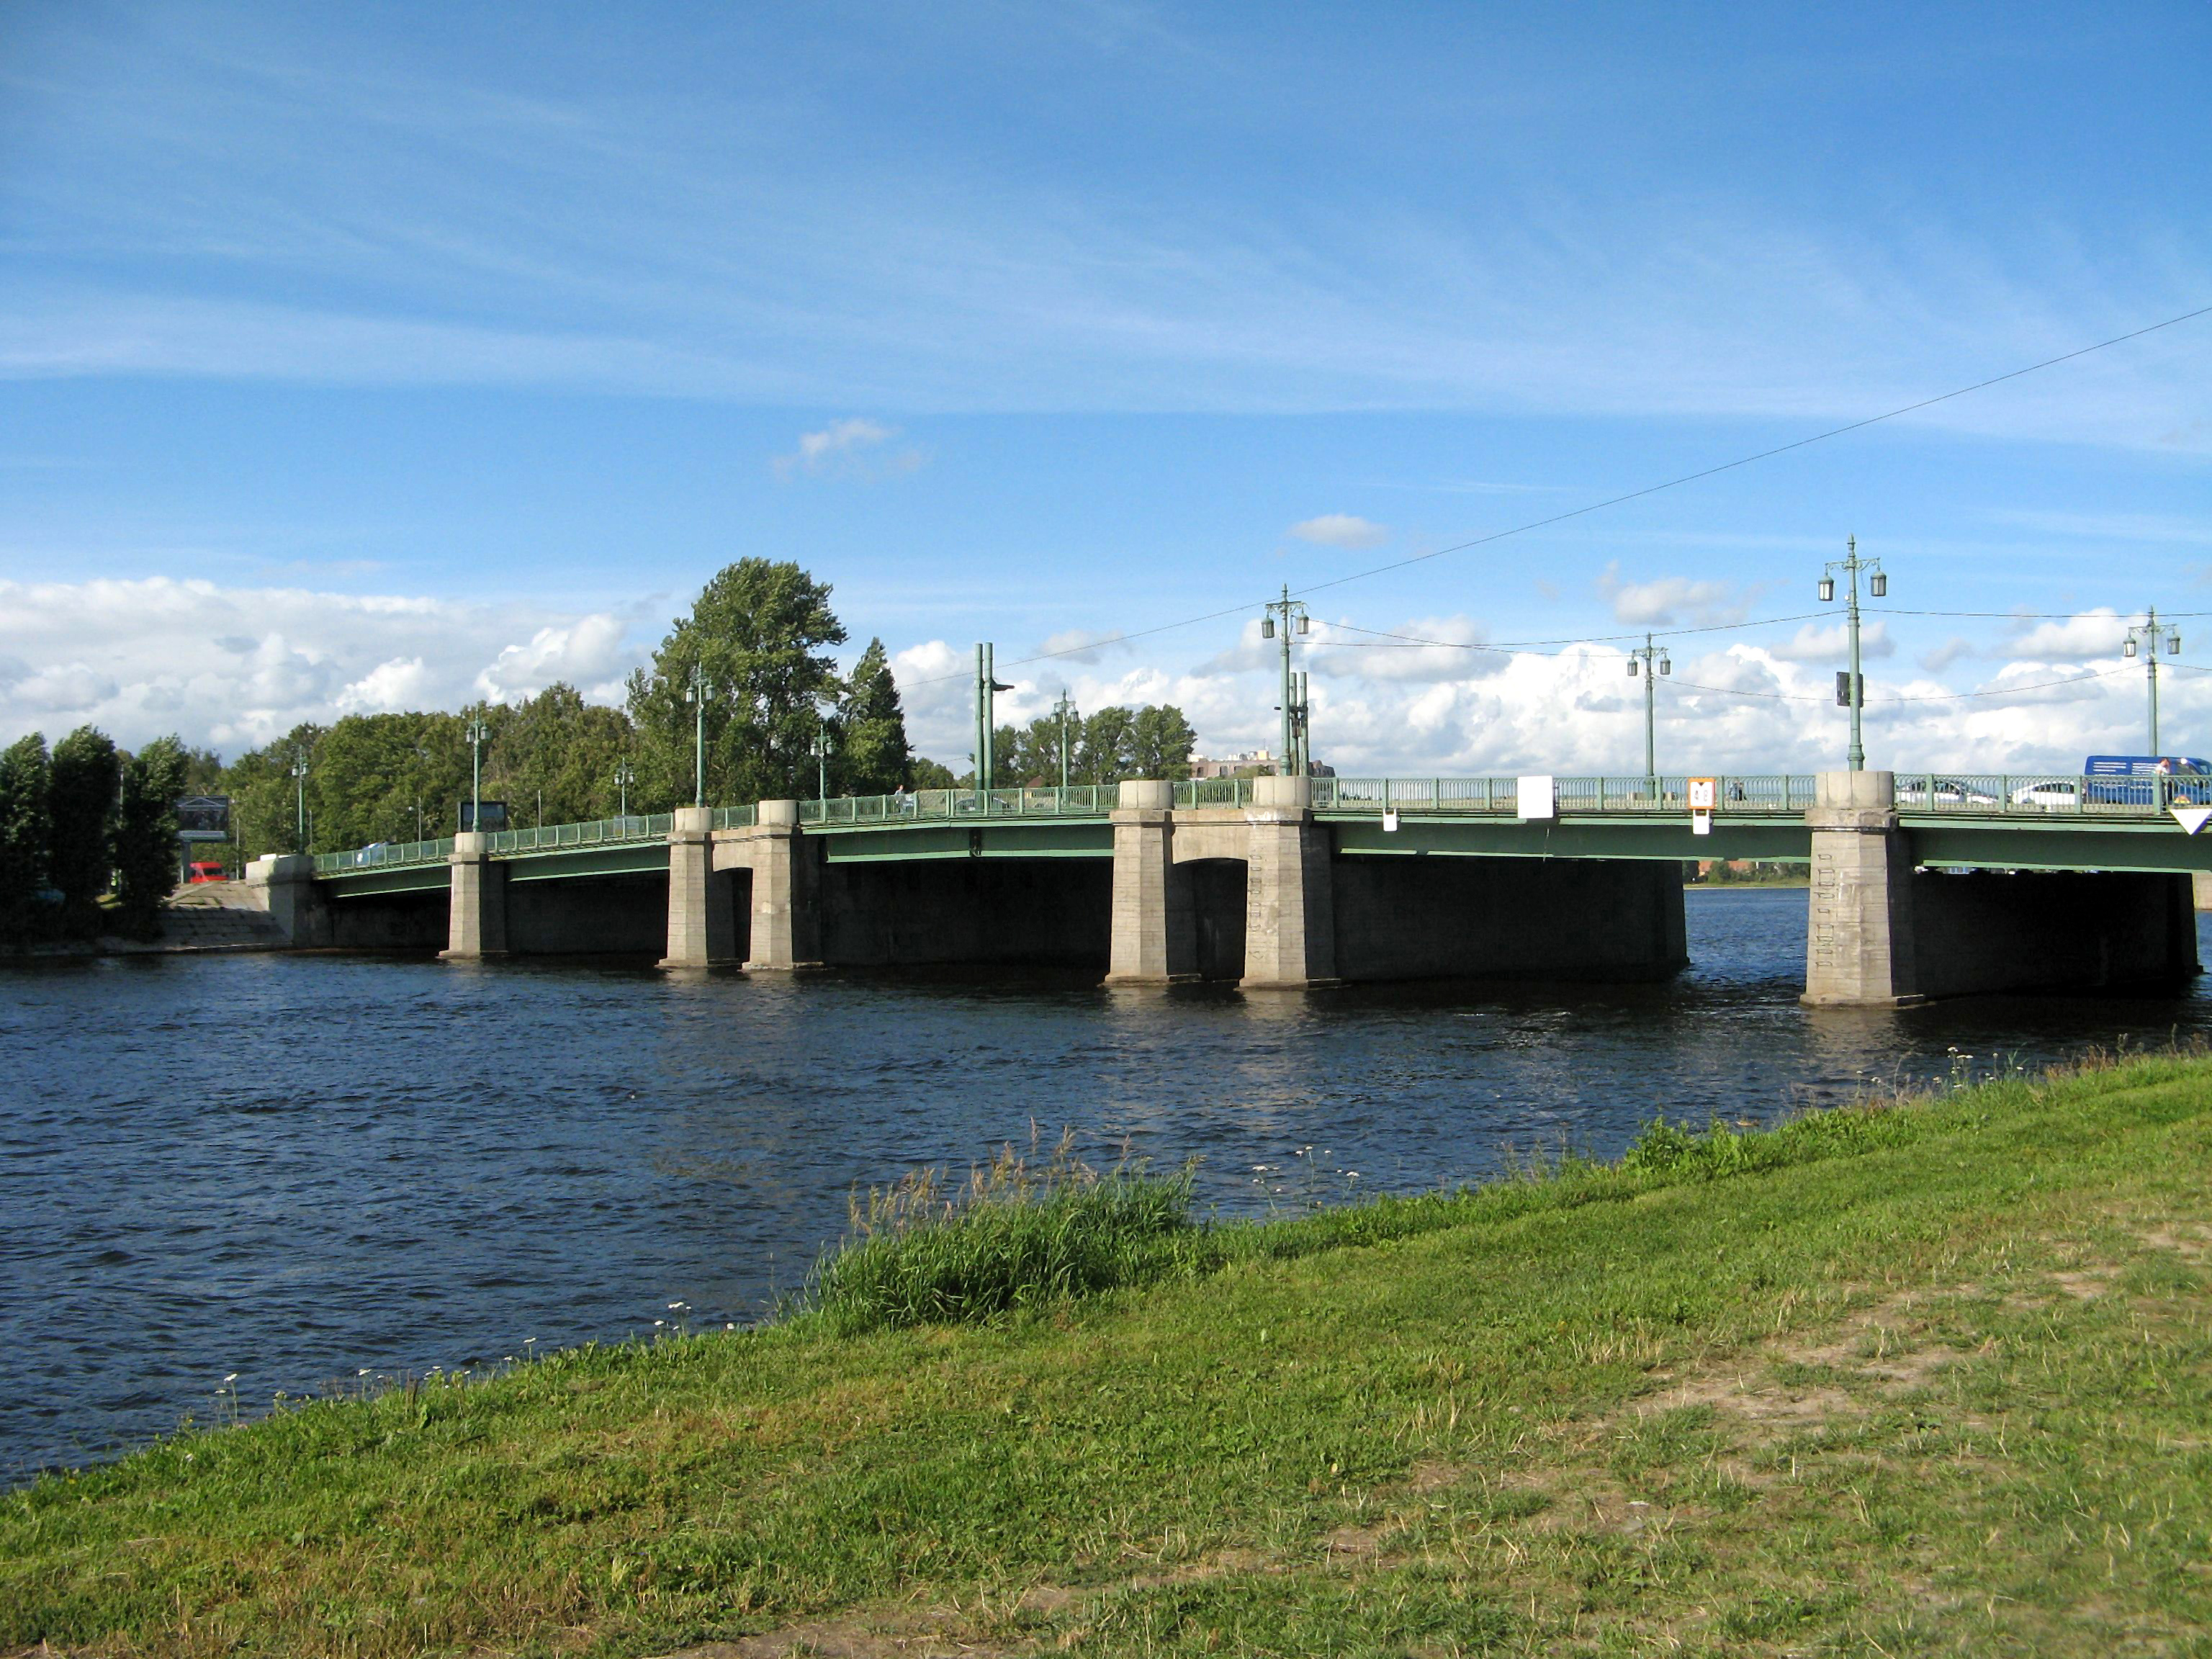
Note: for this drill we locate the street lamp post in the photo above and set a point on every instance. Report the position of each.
(1064, 711)
(623, 776)
(987, 685)
(299, 784)
(2146, 637)
(1651, 661)
(1292, 616)
(700, 689)
(822, 766)
(1854, 687)
(478, 733)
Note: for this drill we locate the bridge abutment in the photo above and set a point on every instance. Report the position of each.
(284, 883)
(1154, 940)
(1289, 915)
(478, 917)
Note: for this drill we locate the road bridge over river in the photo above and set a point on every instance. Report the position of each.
(1921, 886)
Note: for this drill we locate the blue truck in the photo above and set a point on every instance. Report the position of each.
(2148, 779)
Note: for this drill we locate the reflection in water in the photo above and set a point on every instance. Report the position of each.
(291, 1168)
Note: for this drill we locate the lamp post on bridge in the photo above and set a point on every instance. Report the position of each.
(822, 747)
(624, 776)
(987, 685)
(1651, 660)
(1291, 615)
(300, 784)
(477, 734)
(1853, 688)
(699, 689)
(2145, 637)
(1064, 711)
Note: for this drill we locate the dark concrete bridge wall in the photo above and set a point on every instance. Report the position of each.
(1506, 918)
(387, 921)
(1989, 931)
(1043, 912)
(588, 915)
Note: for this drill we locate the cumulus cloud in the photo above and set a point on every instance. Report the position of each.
(1666, 601)
(1345, 529)
(2072, 639)
(1813, 643)
(232, 667)
(848, 448)
(1942, 656)
(1427, 648)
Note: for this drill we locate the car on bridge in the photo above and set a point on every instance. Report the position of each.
(2051, 794)
(1941, 791)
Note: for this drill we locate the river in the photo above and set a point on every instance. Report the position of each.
(297, 1170)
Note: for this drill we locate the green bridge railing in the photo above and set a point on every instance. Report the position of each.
(2034, 795)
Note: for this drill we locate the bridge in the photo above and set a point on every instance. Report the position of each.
(1921, 884)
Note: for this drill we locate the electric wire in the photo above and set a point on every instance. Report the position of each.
(1613, 501)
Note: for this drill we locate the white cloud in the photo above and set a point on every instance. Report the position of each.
(1942, 656)
(1427, 648)
(2072, 639)
(1666, 601)
(845, 449)
(578, 652)
(1813, 643)
(1345, 529)
(234, 666)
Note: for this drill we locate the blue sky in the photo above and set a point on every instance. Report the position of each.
(375, 356)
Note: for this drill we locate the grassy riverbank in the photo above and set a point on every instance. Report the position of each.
(1935, 1378)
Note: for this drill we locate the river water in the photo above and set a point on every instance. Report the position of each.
(299, 1168)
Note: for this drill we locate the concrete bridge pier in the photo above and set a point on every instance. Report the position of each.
(786, 919)
(1289, 915)
(477, 926)
(1858, 934)
(1882, 934)
(1154, 941)
(702, 923)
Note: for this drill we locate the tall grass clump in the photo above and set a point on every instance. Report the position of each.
(1017, 1234)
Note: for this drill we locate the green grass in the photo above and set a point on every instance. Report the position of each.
(1935, 1379)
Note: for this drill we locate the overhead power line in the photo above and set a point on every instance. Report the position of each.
(1629, 495)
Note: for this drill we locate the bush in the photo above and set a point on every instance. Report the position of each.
(1014, 1237)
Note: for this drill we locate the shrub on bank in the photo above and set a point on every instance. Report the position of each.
(1013, 1237)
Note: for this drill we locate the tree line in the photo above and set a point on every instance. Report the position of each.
(760, 636)
(83, 824)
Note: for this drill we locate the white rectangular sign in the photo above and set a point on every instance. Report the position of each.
(1702, 793)
(1537, 799)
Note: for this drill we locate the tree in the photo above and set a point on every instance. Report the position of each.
(145, 836)
(758, 631)
(80, 848)
(1103, 755)
(555, 755)
(933, 774)
(1160, 741)
(872, 756)
(263, 797)
(25, 835)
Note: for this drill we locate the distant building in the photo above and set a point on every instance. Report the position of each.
(1251, 761)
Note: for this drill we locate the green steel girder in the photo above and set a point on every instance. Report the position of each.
(370, 883)
(1779, 840)
(2065, 844)
(997, 838)
(642, 858)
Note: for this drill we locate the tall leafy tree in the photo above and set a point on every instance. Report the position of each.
(874, 756)
(25, 835)
(553, 757)
(264, 801)
(760, 631)
(1160, 742)
(145, 836)
(80, 847)
(1105, 755)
